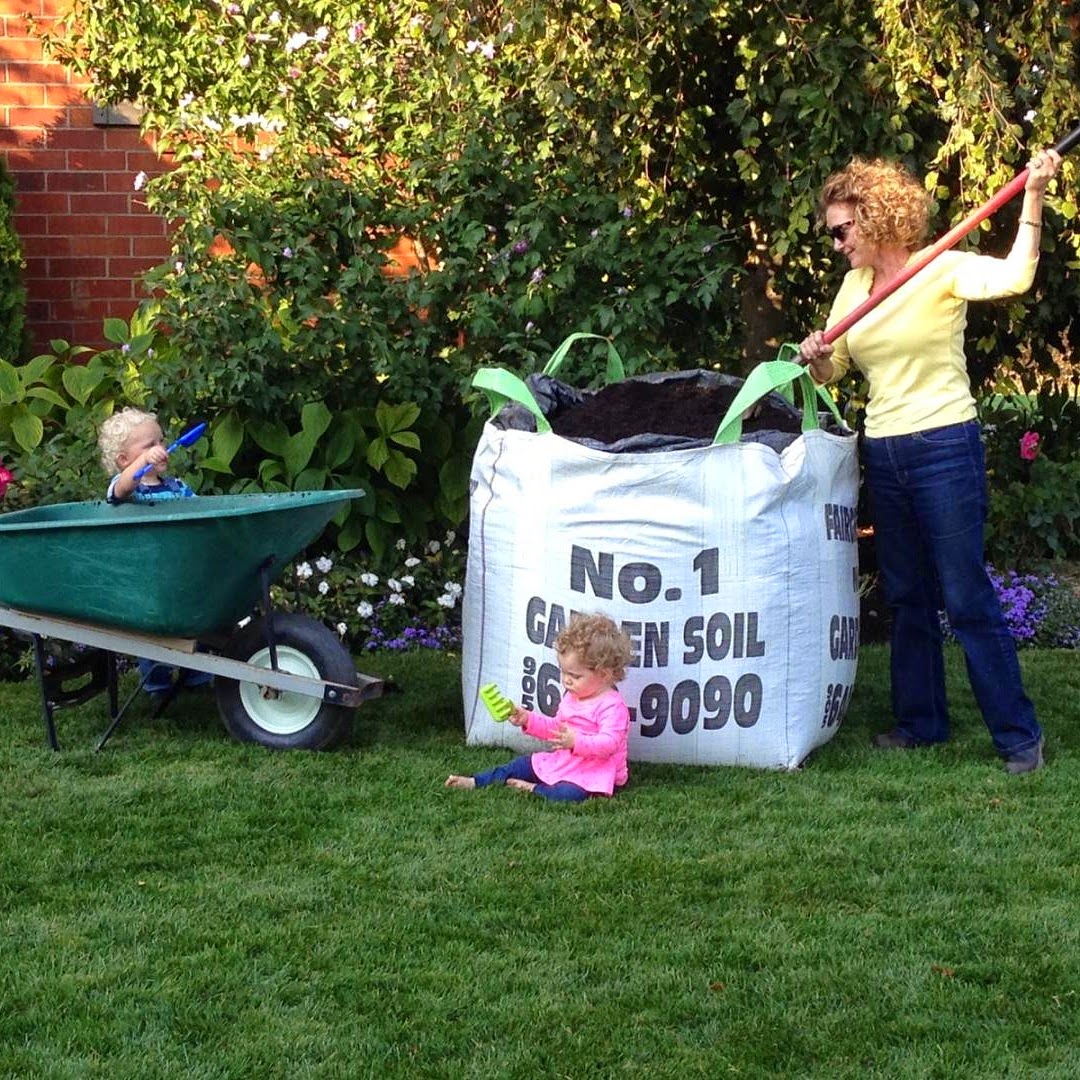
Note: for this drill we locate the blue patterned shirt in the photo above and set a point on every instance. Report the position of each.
(168, 488)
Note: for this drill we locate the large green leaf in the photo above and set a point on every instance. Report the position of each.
(227, 437)
(27, 428)
(81, 380)
(11, 386)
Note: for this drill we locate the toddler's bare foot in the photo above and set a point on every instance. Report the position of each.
(466, 783)
(521, 785)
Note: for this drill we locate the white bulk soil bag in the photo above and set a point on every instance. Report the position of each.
(732, 566)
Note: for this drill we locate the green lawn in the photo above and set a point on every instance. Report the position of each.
(181, 905)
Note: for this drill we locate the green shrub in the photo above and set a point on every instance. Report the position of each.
(1033, 472)
(416, 605)
(1036, 517)
(50, 411)
(13, 338)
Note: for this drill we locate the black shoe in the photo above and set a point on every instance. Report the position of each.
(895, 739)
(1026, 760)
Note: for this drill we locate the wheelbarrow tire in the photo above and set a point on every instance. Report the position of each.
(287, 720)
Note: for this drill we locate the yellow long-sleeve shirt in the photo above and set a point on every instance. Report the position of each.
(911, 346)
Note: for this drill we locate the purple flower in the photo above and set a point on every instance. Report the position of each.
(521, 247)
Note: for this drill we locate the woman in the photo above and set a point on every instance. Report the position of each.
(922, 450)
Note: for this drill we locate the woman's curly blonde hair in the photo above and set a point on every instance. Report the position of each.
(598, 642)
(890, 205)
(115, 432)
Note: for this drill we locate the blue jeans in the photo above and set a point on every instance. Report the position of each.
(928, 502)
(521, 769)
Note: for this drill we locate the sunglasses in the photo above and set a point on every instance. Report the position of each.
(839, 232)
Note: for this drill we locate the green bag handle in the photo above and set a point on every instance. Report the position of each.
(502, 386)
(772, 375)
(789, 352)
(615, 370)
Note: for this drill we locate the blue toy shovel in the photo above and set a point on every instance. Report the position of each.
(185, 440)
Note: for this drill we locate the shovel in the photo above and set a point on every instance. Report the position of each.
(950, 239)
(185, 440)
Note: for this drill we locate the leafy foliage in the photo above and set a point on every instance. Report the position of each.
(373, 200)
(1034, 503)
(592, 165)
(12, 290)
(50, 411)
(415, 605)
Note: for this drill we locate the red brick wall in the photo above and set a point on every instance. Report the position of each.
(86, 233)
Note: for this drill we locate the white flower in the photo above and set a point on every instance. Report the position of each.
(433, 547)
(322, 33)
(394, 584)
(324, 565)
(472, 46)
(451, 536)
(244, 61)
(275, 18)
(364, 610)
(198, 153)
(446, 600)
(186, 100)
(453, 588)
(342, 123)
(369, 579)
(397, 599)
(211, 123)
(400, 545)
(303, 571)
(178, 266)
(296, 41)
(140, 180)
(408, 579)
(411, 561)
(487, 50)
(342, 629)
(324, 586)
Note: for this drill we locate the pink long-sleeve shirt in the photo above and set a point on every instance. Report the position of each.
(601, 727)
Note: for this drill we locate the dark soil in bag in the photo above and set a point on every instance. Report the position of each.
(654, 413)
(683, 407)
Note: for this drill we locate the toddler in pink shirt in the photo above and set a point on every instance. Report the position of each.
(588, 734)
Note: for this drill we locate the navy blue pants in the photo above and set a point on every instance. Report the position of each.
(929, 503)
(521, 769)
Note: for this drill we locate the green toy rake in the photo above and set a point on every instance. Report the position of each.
(496, 703)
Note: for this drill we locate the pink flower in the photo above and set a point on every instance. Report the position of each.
(6, 477)
(1029, 445)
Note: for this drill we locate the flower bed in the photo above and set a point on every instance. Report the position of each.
(416, 606)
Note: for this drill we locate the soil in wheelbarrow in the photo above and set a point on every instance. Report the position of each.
(675, 407)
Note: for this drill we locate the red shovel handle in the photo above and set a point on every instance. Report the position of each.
(952, 237)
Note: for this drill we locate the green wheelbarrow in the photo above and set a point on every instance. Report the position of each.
(185, 583)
